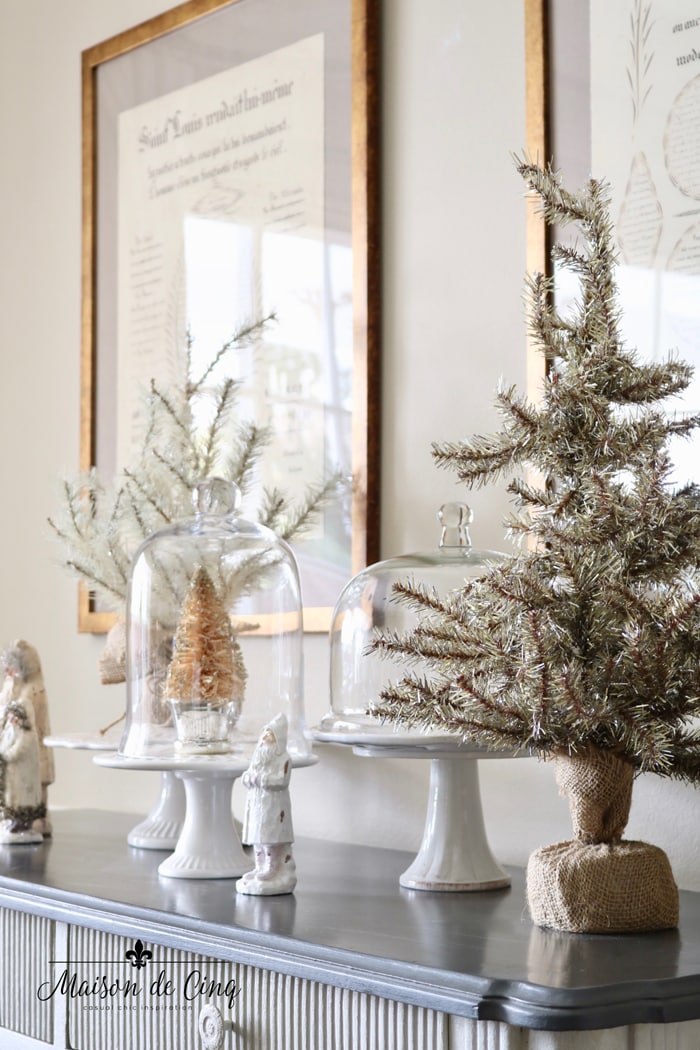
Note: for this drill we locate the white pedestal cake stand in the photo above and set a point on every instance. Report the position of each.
(454, 854)
(209, 846)
(162, 827)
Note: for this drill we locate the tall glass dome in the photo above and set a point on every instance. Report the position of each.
(214, 635)
(366, 606)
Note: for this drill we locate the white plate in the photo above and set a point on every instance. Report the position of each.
(226, 762)
(88, 741)
(390, 738)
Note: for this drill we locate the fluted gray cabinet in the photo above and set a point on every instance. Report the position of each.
(99, 952)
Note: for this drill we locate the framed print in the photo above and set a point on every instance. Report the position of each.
(230, 172)
(621, 102)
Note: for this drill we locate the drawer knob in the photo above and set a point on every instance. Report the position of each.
(212, 1028)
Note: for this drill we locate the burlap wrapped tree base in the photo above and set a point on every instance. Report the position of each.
(602, 888)
(599, 883)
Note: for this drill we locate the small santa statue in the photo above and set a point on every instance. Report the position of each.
(26, 764)
(267, 825)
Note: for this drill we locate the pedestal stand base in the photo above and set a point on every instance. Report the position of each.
(209, 846)
(454, 854)
(162, 827)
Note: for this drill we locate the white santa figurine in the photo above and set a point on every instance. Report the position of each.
(24, 722)
(267, 825)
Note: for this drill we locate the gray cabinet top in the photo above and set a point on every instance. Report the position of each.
(350, 924)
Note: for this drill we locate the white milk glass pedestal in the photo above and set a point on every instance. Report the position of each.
(209, 845)
(454, 854)
(162, 827)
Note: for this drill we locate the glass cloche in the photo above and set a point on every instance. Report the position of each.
(214, 635)
(366, 606)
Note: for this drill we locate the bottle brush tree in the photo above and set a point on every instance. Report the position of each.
(584, 645)
(206, 677)
(206, 667)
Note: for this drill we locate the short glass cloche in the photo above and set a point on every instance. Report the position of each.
(214, 635)
(365, 606)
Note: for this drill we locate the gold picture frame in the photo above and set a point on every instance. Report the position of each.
(178, 55)
(537, 135)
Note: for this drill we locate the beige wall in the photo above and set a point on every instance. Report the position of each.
(453, 110)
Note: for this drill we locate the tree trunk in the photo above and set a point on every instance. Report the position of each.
(598, 786)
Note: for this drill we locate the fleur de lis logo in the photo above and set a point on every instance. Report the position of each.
(138, 956)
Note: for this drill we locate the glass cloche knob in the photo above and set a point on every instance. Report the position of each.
(455, 519)
(216, 496)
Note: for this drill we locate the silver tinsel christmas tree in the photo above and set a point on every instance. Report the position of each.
(588, 638)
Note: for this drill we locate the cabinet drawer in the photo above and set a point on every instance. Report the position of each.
(269, 1011)
(26, 949)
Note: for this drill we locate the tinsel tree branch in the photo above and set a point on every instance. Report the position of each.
(246, 334)
(303, 515)
(188, 433)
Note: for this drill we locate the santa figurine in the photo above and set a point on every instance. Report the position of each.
(24, 684)
(22, 795)
(267, 825)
